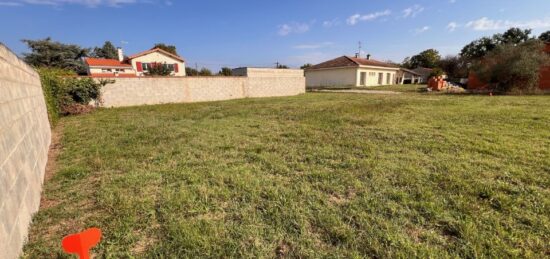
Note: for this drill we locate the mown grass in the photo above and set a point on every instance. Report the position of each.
(317, 175)
(413, 88)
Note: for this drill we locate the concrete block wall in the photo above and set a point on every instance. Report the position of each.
(158, 90)
(24, 141)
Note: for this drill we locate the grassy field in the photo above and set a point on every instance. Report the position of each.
(400, 88)
(317, 175)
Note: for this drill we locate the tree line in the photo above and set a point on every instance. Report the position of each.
(504, 60)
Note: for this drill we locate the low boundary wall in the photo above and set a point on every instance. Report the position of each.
(24, 142)
(157, 90)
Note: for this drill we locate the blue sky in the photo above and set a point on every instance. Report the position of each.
(262, 32)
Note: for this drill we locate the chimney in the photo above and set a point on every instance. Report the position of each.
(120, 54)
(368, 56)
(357, 55)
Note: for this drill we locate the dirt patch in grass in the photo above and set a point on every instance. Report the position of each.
(51, 165)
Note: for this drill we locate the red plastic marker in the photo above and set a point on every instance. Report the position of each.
(82, 242)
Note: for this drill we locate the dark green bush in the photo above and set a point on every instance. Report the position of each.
(513, 67)
(63, 91)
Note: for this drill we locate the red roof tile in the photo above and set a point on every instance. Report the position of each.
(157, 50)
(345, 61)
(102, 62)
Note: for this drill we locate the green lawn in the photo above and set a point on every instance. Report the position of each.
(399, 88)
(317, 175)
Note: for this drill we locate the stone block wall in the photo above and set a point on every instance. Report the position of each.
(24, 142)
(159, 90)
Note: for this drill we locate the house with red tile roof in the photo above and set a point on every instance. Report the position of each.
(135, 65)
(351, 71)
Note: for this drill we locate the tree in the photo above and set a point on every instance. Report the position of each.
(281, 66)
(48, 53)
(225, 71)
(545, 36)
(189, 71)
(165, 47)
(306, 66)
(205, 72)
(454, 66)
(515, 36)
(511, 67)
(480, 47)
(108, 51)
(427, 58)
(158, 69)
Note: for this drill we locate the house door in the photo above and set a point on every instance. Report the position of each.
(363, 80)
(380, 78)
(388, 78)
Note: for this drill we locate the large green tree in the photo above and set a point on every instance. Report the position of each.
(205, 72)
(515, 36)
(166, 47)
(545, 36)
(48, 53)
(512, 67)
(108, 50)
(480, 47)
(427, 58)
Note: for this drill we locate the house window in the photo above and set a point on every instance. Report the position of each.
(145, 66)
(120, 70)
(372, 73)
(106, 70)
(169, 66)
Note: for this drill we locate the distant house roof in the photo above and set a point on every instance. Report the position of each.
(102, 62)
(410, 71)
(423, 71)
(345, 61)
(157, 50)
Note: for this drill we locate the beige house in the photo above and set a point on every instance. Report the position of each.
(351, 71)
(135, 65)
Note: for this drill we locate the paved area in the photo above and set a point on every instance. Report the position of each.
(358, 91)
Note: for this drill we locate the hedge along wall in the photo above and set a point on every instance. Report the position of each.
(159, 90)
(24, 142)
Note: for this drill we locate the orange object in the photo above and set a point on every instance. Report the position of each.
(436, 83)
(82, 242)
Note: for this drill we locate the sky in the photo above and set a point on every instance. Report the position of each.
(235, 33)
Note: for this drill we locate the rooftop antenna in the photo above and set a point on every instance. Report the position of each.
(359, 55)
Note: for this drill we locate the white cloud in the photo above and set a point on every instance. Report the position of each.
(331, 23)
(294, 27)
(486, 24)
(452, 26)
(412, 11)
(10, 4)
(314, 46)
(354, 19)
(422, 30)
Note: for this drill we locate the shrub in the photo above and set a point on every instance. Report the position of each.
(158, 69)
(52, 85)
(513, 67)
(66, 94)
(436, 72)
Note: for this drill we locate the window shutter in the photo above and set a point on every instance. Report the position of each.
(139, 67)
(176, 67)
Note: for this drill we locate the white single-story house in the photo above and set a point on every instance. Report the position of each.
(406, 76)
(135, 65)
(351, 71)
